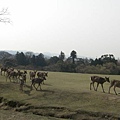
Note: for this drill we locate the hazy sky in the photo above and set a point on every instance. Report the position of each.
(90, 27)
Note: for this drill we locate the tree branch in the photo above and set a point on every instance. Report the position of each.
(3, 13)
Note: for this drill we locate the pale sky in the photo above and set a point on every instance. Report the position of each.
(90, 27)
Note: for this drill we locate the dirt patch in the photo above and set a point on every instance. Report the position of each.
(53, 111)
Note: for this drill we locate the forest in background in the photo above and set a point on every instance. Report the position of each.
(106, 64)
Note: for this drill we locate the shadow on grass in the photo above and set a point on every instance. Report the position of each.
(3, 86)
(47, 84)
(27, 92)
(47, 91)
(28, 86)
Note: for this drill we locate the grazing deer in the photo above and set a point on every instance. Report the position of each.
(98, 80)
(115, 83)
(37, 81)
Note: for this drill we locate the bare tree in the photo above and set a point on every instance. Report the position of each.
(4, 12)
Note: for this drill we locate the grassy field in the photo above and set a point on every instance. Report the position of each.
(63, 96)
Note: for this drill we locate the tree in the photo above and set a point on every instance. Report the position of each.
(40, 60)
(28, 56)
(4, 12)
(73, 55)
(21, 58)
(32, 60)
(53, 60)
(62, 56)
(108, 58)
(9, 62)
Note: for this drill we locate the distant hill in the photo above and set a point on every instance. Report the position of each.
(4, 54)
(13, 52)
(46, 54)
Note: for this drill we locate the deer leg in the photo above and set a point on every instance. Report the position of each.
(43, 82)
(112, 83)
(37, 86)
(31, 86)
(115, 90)
(97, 86)
(34, 85)
(110, 88)
(40, 87)
(93, 86)
(102, 88)
(10, 78)
(6, 78)
(90, 85)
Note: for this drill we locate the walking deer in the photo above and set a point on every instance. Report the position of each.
(115, 83)
(20, 73)
(42, 74)
(98, 80)
(37, 81)
(11, 74)
(4, 69)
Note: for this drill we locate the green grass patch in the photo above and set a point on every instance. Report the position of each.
(67, 90)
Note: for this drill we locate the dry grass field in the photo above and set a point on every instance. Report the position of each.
(63, 96)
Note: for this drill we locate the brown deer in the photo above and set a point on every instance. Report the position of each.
(37, 81)
(20, 73)
(115, 83)
(4, 70)
(11, 73)
(42, 74)
(32, 74)
(98, 80)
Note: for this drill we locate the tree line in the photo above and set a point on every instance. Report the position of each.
(106, 64)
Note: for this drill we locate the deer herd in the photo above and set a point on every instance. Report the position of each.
(18, 76)
(39, 77)
(101, 80)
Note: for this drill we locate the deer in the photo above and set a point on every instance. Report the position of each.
(42, 74)
(32, 74)
(4, 69)
(115, 83)
(37, 81)
(11, 73)
(98, 80)
(22, 80)
(21, 73)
